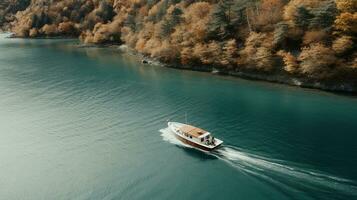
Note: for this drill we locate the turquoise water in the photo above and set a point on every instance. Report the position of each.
(79, 123)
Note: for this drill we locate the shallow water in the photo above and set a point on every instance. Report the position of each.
(79, 123)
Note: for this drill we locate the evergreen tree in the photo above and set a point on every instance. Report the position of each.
(170, 22)
(222, 23)
(106, 11)
(131, 22)
(280, 34)
(303, 17)
(324, 16)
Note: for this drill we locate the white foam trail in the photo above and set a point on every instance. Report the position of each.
(275, 171)
(283, 173)
(168, 136)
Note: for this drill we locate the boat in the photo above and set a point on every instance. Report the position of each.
(194, 136)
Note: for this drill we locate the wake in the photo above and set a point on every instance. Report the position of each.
(284, 174)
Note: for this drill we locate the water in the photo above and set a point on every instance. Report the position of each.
(79, 123)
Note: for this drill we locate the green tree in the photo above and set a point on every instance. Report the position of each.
(324, 16)
(303, 17)
(105, 11)
(131, 22)
(171, 21)
(280, 34)
(223, 22)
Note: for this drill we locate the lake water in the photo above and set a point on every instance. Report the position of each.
(90, 123)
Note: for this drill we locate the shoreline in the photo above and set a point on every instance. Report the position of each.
(280, 78)
(283, 79)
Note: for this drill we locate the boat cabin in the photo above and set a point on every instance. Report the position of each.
(196, 134)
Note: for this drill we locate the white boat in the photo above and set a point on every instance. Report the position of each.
(194, 136)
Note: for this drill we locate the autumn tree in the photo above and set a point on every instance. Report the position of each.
(343, 44)
(317, 60)
(314, 36)
(346, 5)
(346, 23)
(186, 55)
(257, 53)
(270, 13)
(229, 53)
(290, 62)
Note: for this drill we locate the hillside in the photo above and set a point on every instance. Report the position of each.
(8, 9)
(306, 40)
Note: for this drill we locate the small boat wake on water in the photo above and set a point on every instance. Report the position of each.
(285, 175)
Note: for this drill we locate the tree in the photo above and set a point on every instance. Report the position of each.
(280, 34)
(130, 22)
(316, 60)
(49, 29)
(324, 15)
(208, 54)
(229, 55)
(346, 5)
(314, 36)
(263, 59)
(290, 61)
(105, 11)
(303, 17)
(166, 52)
(343, 44)
(257, 53)
(346, 23)
(66, 28)
(186, 55)
(222, 24)
(270, 13)
(169, 23)
(33, 32)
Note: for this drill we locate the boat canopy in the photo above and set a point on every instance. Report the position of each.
(194, 131)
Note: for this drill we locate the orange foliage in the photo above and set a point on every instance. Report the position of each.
(208, 53)
(314, 36)
(33, 32)
(347, 5)
(229, 55)
(316, 59)
(290, 62)
(165, 52)
(257, 52)
(186, 55)
(342, 44)
(270, 12)
(346, 22)
(49, 29)
(66, 27)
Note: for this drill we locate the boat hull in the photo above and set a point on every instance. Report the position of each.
(195, 144)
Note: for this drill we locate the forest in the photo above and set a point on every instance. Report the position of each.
(308, 39)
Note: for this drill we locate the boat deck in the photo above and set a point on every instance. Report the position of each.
(193, 131)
